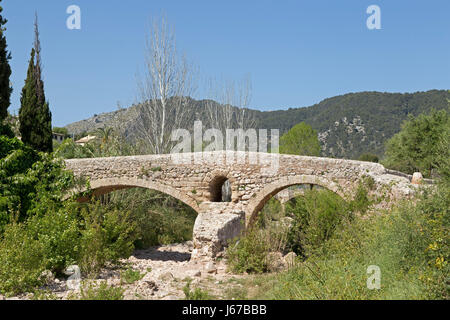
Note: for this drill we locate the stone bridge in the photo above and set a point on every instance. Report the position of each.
(198, 180)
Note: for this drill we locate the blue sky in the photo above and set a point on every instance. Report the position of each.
(296, 52)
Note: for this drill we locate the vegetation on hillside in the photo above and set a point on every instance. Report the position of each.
(300, 140)
(348, 125)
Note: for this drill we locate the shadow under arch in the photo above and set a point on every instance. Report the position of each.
(104, 186)
(257, 203)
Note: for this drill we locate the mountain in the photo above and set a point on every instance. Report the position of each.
(348, 125)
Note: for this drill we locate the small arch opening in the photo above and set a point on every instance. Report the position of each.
(220, 189)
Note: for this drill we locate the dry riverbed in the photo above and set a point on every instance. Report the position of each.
(165, 271)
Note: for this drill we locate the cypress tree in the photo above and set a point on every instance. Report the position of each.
(34, 115)
(5, 71)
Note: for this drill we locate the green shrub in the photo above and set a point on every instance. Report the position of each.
(274, 226)
(316, 215)
(370, 157)
(100, 292)
(58, 233)
(160, 219)
(196, 294)
(249, 253)
(416, 146)
(130, 276)
(106, 237)
(22, 261)
(410, 245)
(29, 183)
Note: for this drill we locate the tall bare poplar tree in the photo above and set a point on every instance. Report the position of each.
(164, 89)
(234, 97)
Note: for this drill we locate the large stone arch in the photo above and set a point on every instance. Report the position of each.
(103, 186)
(261, 198)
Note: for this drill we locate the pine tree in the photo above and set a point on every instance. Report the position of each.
(5, 71)
(34, 115)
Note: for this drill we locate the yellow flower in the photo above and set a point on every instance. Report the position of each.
(440, 262)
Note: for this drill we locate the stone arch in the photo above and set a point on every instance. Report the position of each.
(216, 188)
(103, 186)
(285, 195)
(258, 202)
(215, 180)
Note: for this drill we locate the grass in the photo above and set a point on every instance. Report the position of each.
(339, 269)
(195, 294)
(130, 276)
(100, 292)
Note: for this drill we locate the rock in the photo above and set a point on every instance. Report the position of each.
(47, 276)
(417, 178)
(213, 230)
(290, 259)
(287, 222)
(197, 274)
(275, 262)
(149, 284)
(74, 280)
(210, 267)
(167, 276)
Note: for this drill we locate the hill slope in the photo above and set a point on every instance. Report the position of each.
(348, 125)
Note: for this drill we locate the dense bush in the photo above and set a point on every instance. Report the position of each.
(305, 224)
(316, 215)
(370, 157)
(87, 236)
(160, 219)
(416, 146)
(58, 233)
(30, 183)
(22, 260)
(39, 231)
(410, 245)
(107, 236)
(249, 253)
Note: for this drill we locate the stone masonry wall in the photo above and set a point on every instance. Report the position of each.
(254, 178)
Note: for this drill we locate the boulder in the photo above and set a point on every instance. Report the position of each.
(290, 259)
(47, 276)
(212, 232)
(275, 262)
(74, 280)
(167, 276)
(210, 267)
(417, 178)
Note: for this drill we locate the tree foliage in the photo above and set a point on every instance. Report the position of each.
(300, 140)
(34, 114)
(370, 157)
(5, 71)
(416, 146)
